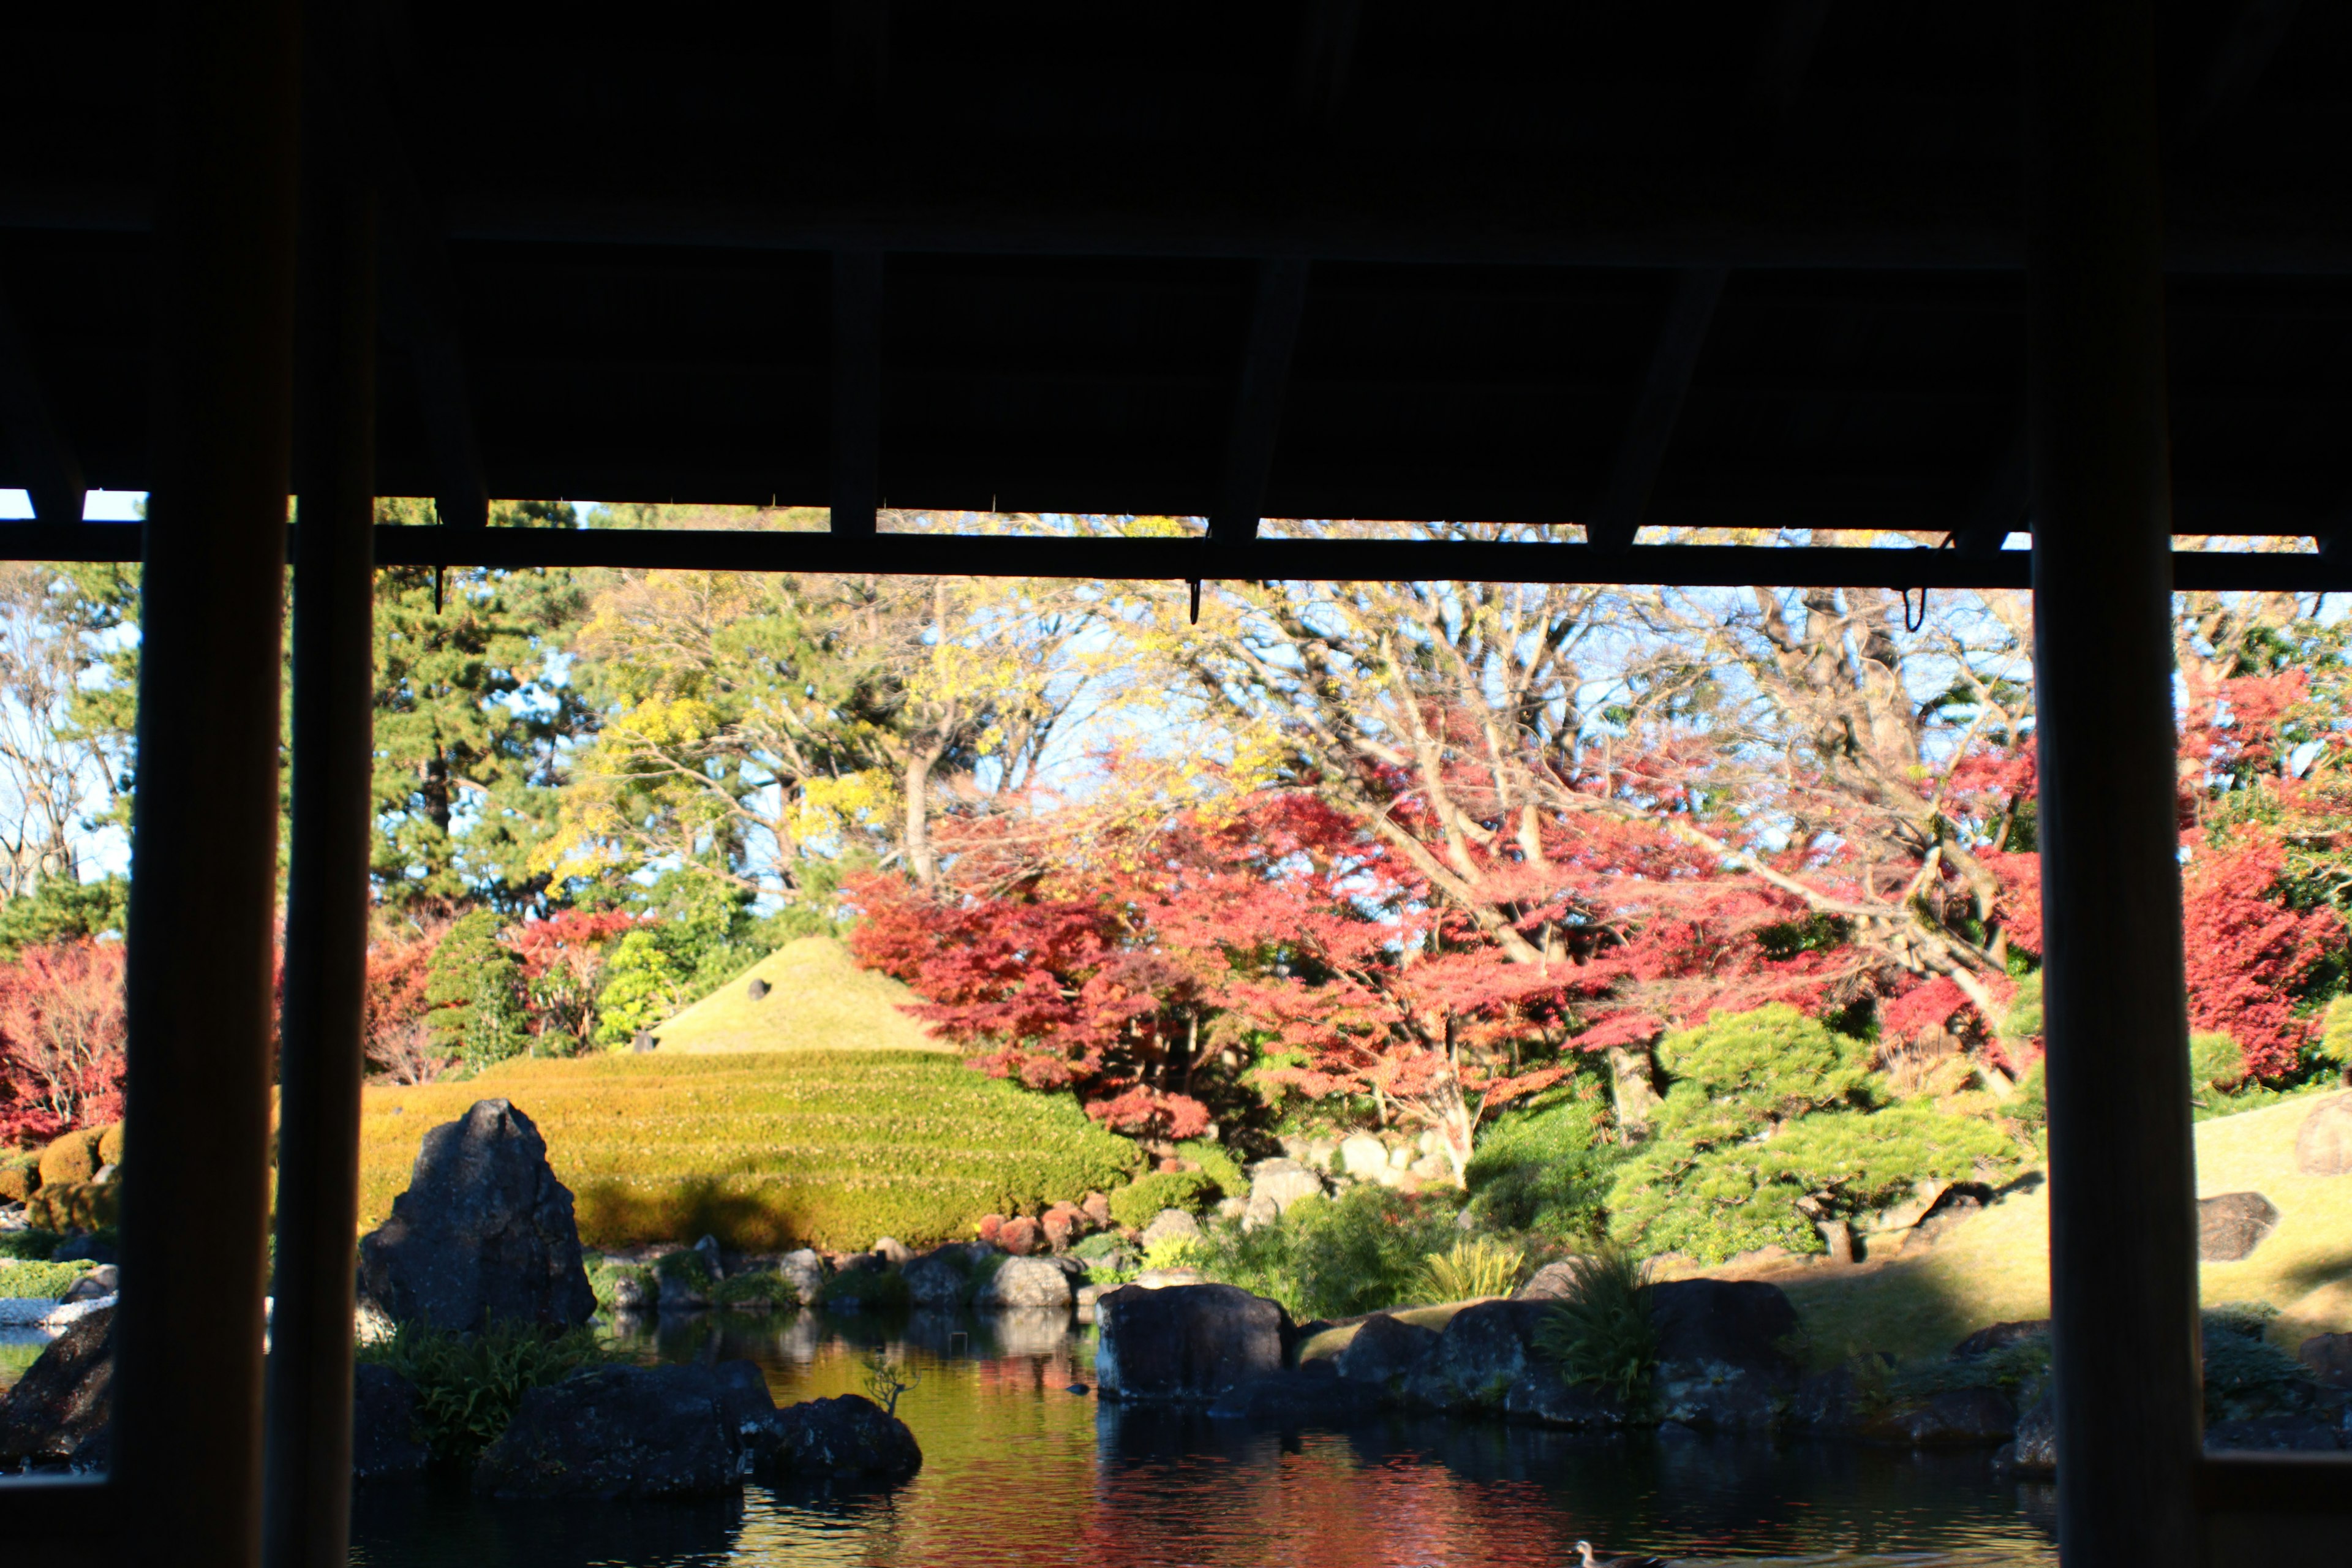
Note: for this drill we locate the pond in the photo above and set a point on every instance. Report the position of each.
(1019, 1471)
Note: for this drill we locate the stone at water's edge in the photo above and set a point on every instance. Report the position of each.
(384, 1418)
(2323, 1145)
(484, 1232)
(2329, 1357)
(1485, 1349)
(805, 1271)
(2034, 1452)
(1384, 1350)
(842, 1440)
(2230, 1226)
(1185, 1344)
(1722, 1352)
(1025, 1282)
(633, 1432)
(937, 1279)
(57, 1414)
(1310, 1396)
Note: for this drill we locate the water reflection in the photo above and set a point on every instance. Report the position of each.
(1018, 1471)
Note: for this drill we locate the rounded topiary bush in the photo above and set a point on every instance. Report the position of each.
(19, 1179)
(70, 1159)
(1134, 1205)
(74, 1205)
(109, 1144)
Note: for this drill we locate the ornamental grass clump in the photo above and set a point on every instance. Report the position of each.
(1472, 1269)
(466, 1386)
(1600, 1333)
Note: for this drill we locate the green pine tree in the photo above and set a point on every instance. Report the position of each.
(475, 983)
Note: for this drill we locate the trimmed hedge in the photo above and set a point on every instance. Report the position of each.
(19, 1179)
(74, 1205)
(769, 1150)
(72, 1158)
(109, 1144)
(1135, 1205)
(49, 1280)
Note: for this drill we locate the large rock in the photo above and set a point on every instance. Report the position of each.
(1724, 1359)
(1484, 1350)
(1364, 1157)
(1185, 1343)
(1282, 1183)
(805, 1272)
(1840, 1399)
(1541, 1395)
(842, 1440)
(1958, 1417)
(633, 1432)
(1171, 1225)
(58, 1412)
(1025, 1282)
(485, 1232)
(938, 1279)
(2322, 1146)
(2000, 1336)
(384, 1427)
(1308, 1395)
(2232, 1224)
(2302, 1434)
(2034, 1451)
(1384, 1350)
(1552, 1282)
(2329, 1357)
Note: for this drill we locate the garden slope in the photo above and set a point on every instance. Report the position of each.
(817, 999)
(1995, 1268)
(768, 1150)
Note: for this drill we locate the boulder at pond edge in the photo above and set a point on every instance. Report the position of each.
(848, 1438)
(1185, 1344)
(633, 1432)
(484, 1232)
(59, 1410)
(384, 1427)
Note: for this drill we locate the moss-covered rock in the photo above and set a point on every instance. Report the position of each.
(20, 1179)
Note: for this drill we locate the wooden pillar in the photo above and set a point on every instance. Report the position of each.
(187, 1424)
(2123, 1259)
(307, 1453)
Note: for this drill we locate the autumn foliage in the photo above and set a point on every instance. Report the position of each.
(61, 1038)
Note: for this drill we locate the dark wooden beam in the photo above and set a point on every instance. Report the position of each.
(1789, 42)
(857, 390)
(1642, 450)
(1999, 510)
(1326, 49)
(2245, 52)
(45, 458)
(861, 62)
(1276, 309)
(2123, 1230)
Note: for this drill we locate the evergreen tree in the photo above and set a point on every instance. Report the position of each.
(475, 986)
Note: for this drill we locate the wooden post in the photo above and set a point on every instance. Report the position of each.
(2123, 1260)
(307, 1453)
(203, 868)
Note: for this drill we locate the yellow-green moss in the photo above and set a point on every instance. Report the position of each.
(768, 1150)
(72, 1158)
(109, 1144)
(817, 999)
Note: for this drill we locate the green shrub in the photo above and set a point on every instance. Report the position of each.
(689, 1267)
(1772, 1125)
(1135, 1205)
(2246, 1376)
(1175, 1252)
(769, 1150)
(1473, 1268)
(1601, 1332)
(2215, 1062)
(475, 983)
(605, 1274)
(32, 1244)
(1540, 1170)
(756, 1285)
(70, 1159)
(74, 1205)
(865, 1291)
(19, 1178)
(41, 1279)
(1217, 1164)
(1333, 1257)
(1102, 1244)
(467, 1386)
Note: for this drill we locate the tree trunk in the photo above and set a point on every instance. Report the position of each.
(921, 862)
(1631, 1091)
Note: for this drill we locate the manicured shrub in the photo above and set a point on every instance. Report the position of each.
(769, 1151)
(33, 1244)
(1102, 1244)
(1542, 1169)
(19, 1178)
(109, 1144)
(756, 1285)
(688, 1265)
(2246, 1376)
(1333, 1257)
(865, 1291)
(604, 1276)
(2215, 1062)
(1472, 1267)
(72, 1158)
(467, 1386)
(1135, 1205)
(1599, 1332)
(50, 1280)
(1217, 1164)
(74, 1205)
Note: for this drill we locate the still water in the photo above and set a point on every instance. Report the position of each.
(1018, 1471)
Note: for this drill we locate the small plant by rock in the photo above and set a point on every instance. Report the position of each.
(887, 1377)
(1600, 1332)
(467, 1386)
(1473, 1268)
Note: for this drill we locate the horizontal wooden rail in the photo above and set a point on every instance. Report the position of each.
(1262, 560)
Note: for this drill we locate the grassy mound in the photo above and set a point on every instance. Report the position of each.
(768, 1150)
(817, 999)
(1996, 1266)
